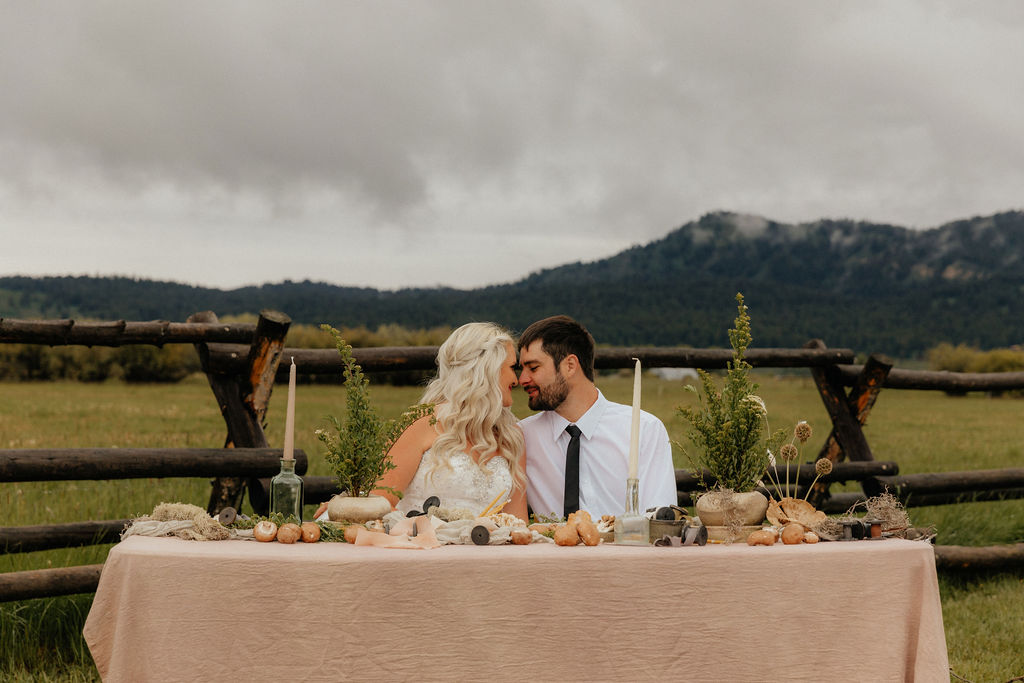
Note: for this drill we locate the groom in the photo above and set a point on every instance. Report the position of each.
(577, 447)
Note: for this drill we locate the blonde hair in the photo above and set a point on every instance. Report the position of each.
(468, 399)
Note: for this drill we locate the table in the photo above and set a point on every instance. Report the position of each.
(173, 610)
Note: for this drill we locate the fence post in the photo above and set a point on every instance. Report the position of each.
(264, 358)
(243, 399)
(847, 413)
(860, 400)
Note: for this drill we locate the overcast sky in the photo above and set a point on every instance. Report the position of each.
(393, 144)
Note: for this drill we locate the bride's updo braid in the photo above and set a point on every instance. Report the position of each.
(468, 398)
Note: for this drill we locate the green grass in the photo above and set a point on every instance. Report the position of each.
(922, 431)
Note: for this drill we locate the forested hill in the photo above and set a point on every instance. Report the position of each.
(864, 286)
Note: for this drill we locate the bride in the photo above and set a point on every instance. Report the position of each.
(470, 452)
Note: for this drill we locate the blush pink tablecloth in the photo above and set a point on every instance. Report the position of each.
(172, 610)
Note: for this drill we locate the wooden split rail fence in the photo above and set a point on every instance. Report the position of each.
(242, 363)
(78, 464)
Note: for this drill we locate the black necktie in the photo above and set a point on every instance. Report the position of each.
(571, 500)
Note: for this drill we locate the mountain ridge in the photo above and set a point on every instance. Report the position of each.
(867, 286)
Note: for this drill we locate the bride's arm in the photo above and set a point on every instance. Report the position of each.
(406, 455)
(517, 504)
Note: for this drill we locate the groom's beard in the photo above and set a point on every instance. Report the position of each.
(551, 396)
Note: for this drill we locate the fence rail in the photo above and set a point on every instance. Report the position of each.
(77, 464)
(951, 382)
(44, 583)
(121, 332)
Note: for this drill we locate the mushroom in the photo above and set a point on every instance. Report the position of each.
(265, 531)
(289, 533)
(310, 532)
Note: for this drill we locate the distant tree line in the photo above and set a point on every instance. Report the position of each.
(651, 309)
(963, 358)
(25, 362)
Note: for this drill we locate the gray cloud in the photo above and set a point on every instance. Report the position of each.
(396, 144)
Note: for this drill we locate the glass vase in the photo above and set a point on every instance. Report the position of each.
(286, 491)
(632, 527)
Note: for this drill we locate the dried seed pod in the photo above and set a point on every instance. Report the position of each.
(310, 532)
(480, 535)
(227, 515)
(265, 531)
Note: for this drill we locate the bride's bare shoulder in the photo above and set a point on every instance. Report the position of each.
(422, 431)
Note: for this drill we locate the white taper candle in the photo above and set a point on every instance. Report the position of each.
(634, 432)
(289, 416)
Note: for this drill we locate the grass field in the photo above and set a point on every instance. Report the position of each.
(922, 431)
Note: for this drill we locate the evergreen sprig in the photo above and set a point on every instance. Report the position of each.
(728, 426)
(358, 448)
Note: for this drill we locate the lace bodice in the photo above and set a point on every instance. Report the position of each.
(462, 484)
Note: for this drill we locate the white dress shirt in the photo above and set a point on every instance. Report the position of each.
(604, 460)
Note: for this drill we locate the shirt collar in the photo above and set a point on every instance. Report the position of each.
(588, 422)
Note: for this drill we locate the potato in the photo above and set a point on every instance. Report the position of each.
(793, 533)
(588, 532)
(351, 531)
(762, 537)
(310, 532)
(567, 535)
(579, 516)
(521, 535)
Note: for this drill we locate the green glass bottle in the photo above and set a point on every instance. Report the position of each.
(286, 491)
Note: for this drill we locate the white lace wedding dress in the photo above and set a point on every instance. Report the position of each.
(462, 484)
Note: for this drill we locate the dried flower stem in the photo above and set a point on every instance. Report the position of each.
(822, 466)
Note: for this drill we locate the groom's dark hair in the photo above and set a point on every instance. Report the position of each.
(561, 336)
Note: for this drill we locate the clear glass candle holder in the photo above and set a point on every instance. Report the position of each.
(286, 491)
(632, 527)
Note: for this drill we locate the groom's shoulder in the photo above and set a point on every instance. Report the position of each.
(621, 411)
(536, 426)
(534, 420)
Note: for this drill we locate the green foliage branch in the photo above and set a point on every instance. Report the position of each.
(728, 427)
(358, 447)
